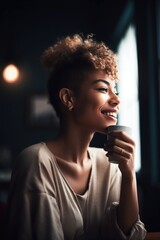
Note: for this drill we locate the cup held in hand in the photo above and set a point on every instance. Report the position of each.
(111, 128)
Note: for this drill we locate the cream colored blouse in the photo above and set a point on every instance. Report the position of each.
(43, 206)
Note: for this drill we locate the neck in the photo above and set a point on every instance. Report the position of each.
(72, 144)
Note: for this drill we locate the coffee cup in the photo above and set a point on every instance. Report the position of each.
(111, 128)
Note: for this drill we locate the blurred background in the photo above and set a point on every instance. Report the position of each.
(131, 28)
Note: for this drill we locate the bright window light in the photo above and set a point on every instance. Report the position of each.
(128, 88)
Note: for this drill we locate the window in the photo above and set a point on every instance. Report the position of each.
(128, 88)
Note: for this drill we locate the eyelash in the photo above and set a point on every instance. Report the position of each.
(103, 89)
(106, 90)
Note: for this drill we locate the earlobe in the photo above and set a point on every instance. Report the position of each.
(66, 97)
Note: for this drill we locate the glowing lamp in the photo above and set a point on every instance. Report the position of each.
(10, 73)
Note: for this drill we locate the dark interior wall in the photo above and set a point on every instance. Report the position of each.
(30, 29)
(27, 28)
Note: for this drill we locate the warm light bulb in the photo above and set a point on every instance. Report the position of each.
(11, 73)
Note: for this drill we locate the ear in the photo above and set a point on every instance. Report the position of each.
(66, 97)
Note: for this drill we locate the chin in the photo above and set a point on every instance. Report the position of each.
(110, 124)
(115, 123)
(103, 130)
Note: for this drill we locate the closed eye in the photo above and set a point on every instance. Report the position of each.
(103, 89)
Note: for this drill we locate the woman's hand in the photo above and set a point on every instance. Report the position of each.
(122, 148)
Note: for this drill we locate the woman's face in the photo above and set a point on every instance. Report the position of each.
(96, 105)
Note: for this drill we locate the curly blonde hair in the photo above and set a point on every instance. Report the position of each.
(71, 57)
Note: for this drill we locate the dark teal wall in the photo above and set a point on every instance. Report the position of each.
(29, 32)
(27, 28)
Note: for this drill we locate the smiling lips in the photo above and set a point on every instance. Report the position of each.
(110, 114)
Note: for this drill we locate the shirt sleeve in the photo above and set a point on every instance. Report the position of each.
(113, 231)
(32, 211)
(110, 227)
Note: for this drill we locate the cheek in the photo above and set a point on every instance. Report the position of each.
(90, 105)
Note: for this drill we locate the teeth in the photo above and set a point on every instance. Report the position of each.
(112, 114)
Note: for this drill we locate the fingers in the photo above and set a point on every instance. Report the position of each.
(120, 157)
(114, 149)
(116, 145)
(120, 147)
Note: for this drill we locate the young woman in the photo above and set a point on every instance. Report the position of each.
(65, 189)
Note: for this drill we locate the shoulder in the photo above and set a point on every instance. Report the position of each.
(32, 149)
(32, 160)
(33, 167)
(32, 155)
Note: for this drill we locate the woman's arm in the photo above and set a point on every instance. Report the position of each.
(122, 148)
(128, 209)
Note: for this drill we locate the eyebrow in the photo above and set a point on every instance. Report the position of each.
(101, 80)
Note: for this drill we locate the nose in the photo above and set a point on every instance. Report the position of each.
(114, 99)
